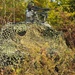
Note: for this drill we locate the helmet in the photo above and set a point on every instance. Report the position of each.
(30, 4)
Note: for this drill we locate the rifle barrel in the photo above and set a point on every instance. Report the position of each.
(35, 8)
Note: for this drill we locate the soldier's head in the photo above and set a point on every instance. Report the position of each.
(30, 4)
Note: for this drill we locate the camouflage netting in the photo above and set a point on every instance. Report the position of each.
(9, 53)
(34, 50)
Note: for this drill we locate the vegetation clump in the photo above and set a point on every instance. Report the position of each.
(42, 54)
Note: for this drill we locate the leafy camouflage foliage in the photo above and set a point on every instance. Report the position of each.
(45, 50)
(45, 53)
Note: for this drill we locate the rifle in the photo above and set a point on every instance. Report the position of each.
(35, 8)
(39, 14)
(42, 12)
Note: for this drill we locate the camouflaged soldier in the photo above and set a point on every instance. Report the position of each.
(29, 13)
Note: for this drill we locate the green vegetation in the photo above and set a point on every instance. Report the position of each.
(60, 11)
(47, 52)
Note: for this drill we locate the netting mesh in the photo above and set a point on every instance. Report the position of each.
(7, 33)
(10, 54)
